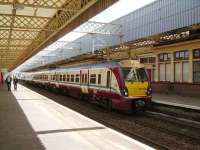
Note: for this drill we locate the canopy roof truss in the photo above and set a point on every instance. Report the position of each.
(58, 50)
(27, 26)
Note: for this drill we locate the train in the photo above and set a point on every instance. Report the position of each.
(122, 85)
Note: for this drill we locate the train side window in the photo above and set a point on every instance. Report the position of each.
(60, 77)
(86, 79)
(57, 77)
(99, 78)
(77, 78)
(72, 78)
(68, 77)
(64, 77)
(93, 78)
(108, 79)
(82, 78)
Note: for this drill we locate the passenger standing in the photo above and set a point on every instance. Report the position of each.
(8, 81)
(15, 81)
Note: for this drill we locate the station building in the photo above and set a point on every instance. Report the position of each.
(164, 35)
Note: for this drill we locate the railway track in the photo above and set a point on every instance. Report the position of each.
(136, 136)
(150, 128)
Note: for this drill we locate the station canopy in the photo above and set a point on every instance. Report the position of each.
(28, 26)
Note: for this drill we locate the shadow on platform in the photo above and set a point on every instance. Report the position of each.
(16, 132)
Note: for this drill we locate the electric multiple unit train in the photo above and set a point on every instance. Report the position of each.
(117, 85)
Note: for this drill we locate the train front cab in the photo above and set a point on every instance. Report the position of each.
(137, 92)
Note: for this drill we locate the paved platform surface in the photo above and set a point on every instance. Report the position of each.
(30, 121)
(177, 100)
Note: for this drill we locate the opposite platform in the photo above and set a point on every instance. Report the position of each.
(177, 100)
(32, 121)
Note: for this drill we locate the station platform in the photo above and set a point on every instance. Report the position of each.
(31, 121)
(177, 100)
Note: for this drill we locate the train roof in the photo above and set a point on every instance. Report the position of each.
(110, 64)
(98, 65)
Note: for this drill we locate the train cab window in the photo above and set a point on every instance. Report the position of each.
(93, 79)
(72, 78)
(77, 78)
(108, 79)
(64, 77)
(68, 77)
(99, 78)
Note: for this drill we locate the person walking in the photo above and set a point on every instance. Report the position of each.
(8, 81)
(15, 81)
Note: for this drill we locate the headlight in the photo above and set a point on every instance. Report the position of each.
(124, 92)
(149, 91)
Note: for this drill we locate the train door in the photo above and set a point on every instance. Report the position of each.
(149, 71)
(84, 81)
(108, 80)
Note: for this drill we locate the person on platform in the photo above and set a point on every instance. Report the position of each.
(15, 81)
(8, 82)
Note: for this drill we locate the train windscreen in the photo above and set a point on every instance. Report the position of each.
(134, 74)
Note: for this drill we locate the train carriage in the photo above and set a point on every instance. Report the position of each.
(117, 85)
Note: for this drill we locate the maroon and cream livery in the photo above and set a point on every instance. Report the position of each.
(117, 85)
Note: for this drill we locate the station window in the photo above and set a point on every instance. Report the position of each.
(99, 78)
(196, 53)
(181, 55)
(196, 71)
(178, 72)
(165, 72)
(152, 60)
(164, 57)
(93, 78)
(77, 78)
(181, 72)
(143, 60)
(148, 60)
(54, 77)
(185, 70)
(72, 78)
